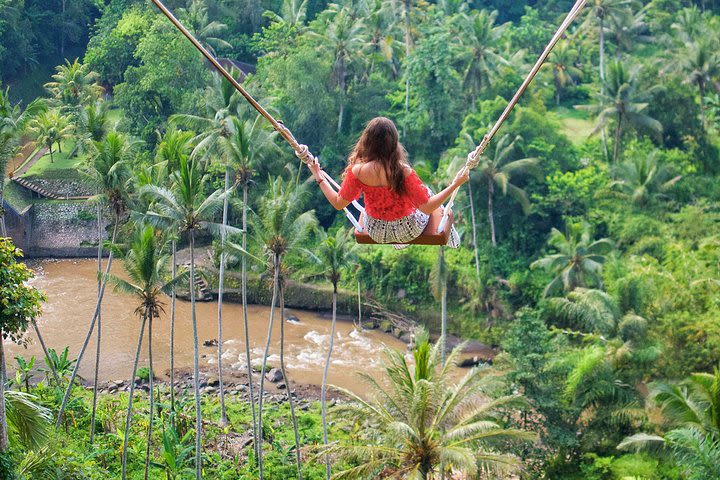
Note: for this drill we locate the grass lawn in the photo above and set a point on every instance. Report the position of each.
(576, 124)
(62, 167)
(17, 196)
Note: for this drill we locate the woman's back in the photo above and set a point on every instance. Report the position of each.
(381, 200)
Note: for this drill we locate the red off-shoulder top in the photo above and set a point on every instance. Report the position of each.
(382, 202)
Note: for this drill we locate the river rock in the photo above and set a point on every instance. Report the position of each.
(293, 319)
(274, 375)
(213, 382)
(210, 343)
(281, 386)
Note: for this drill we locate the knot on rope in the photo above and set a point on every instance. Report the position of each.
(303, 153)
(472, 160)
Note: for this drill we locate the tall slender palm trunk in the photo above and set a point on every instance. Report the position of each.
(128, 414)
(3, 228)
(221, 288)
(4, 443)
(91, 328)
(196, 367)
(293, 418)
(273, 302)
(248, 360)
(407, 72)
(491, 218)
(701, 89)
(323, 391)
(359, 302)
(602, 81)
(172, 336)
(474, 230)
(99, 327)
(53, 370)
(618, 133)
(443, 307)
(151, 382)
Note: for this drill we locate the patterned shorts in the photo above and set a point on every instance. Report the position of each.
(403, 229)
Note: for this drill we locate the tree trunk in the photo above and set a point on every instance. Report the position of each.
(128, 416)
(3, 229)
(443, 306)
(293, 418)
(151, 382)
(474, 230)
(4, 443)
(359, 297)
(52, 160)
(196, 367)
(248, 360)
(99, 327)
(618, 132)
(221, 287)
(172, 336)
(98, 305)
(602, 80)
(701, 89)
(323, 391)
(53, 370)
(62, 30)
(491, 192)
(273, 302)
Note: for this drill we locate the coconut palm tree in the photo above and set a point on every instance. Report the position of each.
(50, 128)
(246, 144)
(497, 169)
(174, 150)
(578, 260)
(109, 169)
(13, 122)
(643, 180)
(698, 63)
(692, 412)
(562, 61)
(342, 39)
(381, 35)
(624, 103)
(419, 419)
(146, 267)
(438, 286)
(335, 253)
(185, 204)
(92, 125)
(281, 226)
(207, 32)
(292, 13)
(480, 39)
(74, 85)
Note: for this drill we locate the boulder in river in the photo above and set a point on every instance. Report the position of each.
(293, 319)
(210, 343)
(274, 375)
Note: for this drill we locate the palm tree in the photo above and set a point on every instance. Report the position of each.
(245, 145)
(74, 85)
(342, 39)
(699, 63)
(146, 268)
(13, 122)
(281, 226)
(643, 180)
(418, 420)
(630, 29)
(578, 260)
(109, 169)
(292, 13)
(562, 61)
(692, 411)
(185, 204)
(335, 253)
(208, 33)
(92, 125)
(174, 150)
(49, 128)
(625, 104)
(480, 39)
(496, 168)
(438, 286)
(381, 35)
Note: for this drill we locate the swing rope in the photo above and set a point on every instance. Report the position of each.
(473, 158)
(303, 152)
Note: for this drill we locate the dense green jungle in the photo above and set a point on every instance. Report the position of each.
(590, 236)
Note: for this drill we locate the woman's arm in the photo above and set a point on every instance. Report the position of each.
(436, 200)
(332, 196)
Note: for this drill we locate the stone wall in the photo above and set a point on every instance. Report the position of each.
(55, 229)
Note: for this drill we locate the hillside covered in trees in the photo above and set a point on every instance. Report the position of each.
(590, 257)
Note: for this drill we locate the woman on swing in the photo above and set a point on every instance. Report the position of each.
(397, 204)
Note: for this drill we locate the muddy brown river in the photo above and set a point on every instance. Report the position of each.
(71, 289)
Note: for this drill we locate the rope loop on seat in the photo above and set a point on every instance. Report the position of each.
(303, 153)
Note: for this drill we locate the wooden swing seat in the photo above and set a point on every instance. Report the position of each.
(429, 236)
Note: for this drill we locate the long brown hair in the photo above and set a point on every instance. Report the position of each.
(380, 142)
